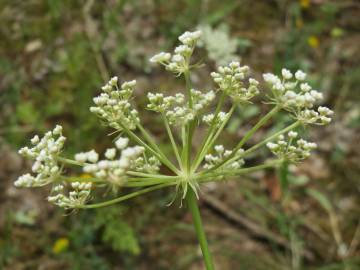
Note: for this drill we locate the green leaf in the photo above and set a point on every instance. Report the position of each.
(321, 198)
(116, 232)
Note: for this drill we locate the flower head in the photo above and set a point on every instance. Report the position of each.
(293, 150)
(113, 105)
(231, 80)
(297, 97)
(179, 62)
(45, 152)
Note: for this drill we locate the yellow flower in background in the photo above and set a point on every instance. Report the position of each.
(85, 175)
(313, 41)
(304, 3)
(299, 23)
(60, 245)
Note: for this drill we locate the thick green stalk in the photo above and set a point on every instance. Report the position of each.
(194, 209)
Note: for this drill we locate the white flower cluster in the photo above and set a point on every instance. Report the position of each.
(221, 154)
(114, 169)
(161, 104)
(209, 118)
(221, 52)
(176, 108)
(147, 165)
(297, 96)
(113, 105)
(179, 62)
(45, 152)
(293, 149)
(231, 80)
(76, 198)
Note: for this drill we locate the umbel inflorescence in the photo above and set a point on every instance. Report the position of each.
(136, 163)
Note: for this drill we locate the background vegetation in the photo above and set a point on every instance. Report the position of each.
(55, 55)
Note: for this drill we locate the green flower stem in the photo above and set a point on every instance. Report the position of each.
(80, 179)
(272, 137)
(258, 145)
(248, 135)
(150, 139)
(205, 178)
(194, 209)
(209, 133)
(141, 174)
(173, 142)
(212, 139)
(153, 144)
(190, 127)
(143, 182)
(188, 87)
(69, 161)
(126, 197)
(159, 155)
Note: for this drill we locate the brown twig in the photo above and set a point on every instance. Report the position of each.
(256, 230)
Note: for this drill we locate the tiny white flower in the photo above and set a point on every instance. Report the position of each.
(35, 139)
(219, 149)
(110, 153)
(57, 130)
(121, 143)
(81, 157)
(286, 74)
(305, 87)
(292, 134)
(160, 57)
(92, 156)
(114, 80)
(300, 75)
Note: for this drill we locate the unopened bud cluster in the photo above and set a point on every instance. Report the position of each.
(179, 62)
(210, 118)
(231, 80)
(113, 169)
(77, 197)
(113, 105)
(175, 107)
(44, 152)
(291, 149)
(296, 96)
(220, 155)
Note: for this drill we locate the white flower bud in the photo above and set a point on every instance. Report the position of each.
(92, 156)
(35, 139)
(121, 143)
(286, 74)
(81, 157)
(114, 80)
(292, 134)
(110, 153)
(300, 75)
(57, 130)
(219, 149)
(160, 57)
